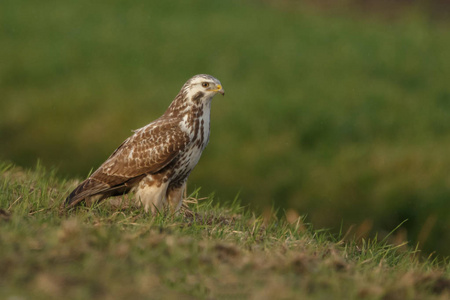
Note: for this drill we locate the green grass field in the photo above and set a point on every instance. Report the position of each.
(209, 251)
(342, 117)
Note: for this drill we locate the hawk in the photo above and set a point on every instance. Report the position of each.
(155, 162)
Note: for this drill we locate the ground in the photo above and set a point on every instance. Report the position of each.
(208, 251)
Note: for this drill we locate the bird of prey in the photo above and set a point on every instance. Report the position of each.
(155, 162)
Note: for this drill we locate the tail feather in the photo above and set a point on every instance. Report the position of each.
(93, 187)
(87, 188)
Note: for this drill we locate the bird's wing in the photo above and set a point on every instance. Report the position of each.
(149, 150)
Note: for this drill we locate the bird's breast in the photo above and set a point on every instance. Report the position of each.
(196, 125)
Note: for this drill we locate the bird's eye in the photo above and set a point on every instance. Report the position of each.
(205, 84)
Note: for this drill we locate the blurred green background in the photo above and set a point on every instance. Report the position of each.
(339, 112)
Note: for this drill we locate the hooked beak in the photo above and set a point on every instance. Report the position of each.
(220, 90)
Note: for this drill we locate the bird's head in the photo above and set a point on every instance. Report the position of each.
(202, 87)
(199, 90)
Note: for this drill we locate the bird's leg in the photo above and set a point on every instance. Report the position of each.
(175, 197)
(151, 195)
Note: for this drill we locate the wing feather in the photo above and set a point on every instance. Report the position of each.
(147, 151)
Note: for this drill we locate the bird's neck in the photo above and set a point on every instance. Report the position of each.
(187, 104)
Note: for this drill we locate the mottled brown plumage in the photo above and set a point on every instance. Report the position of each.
(155, 162)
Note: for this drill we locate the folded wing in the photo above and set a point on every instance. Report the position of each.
(148, 151)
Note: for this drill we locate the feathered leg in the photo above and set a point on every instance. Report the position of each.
(175, 197)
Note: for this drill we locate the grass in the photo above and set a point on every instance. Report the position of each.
(337, 116)
(209, 251)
